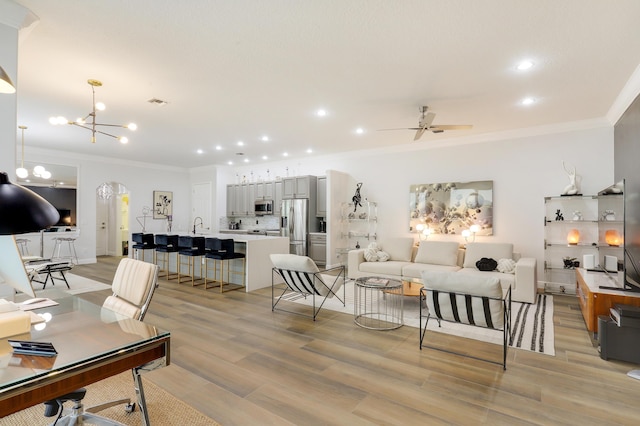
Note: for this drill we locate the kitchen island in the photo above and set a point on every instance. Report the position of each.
(256, 248)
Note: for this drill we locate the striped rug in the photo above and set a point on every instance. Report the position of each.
(532, 324)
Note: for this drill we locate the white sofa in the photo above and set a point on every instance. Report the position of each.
(407, 262)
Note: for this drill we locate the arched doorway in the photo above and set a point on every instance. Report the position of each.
(112, 219)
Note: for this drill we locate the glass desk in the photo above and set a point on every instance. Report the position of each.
(93, 343)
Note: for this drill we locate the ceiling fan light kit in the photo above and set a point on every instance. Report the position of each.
(89, 121)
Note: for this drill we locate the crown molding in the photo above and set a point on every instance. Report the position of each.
(16, 16)
(628, 94)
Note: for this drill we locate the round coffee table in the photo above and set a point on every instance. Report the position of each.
(378, 303)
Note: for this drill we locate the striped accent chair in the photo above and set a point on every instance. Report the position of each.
(301, 275)
(472, 300)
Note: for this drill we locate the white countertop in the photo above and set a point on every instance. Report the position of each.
(241, 237)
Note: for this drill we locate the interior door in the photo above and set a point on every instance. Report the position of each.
(102, 226)
(201, 202)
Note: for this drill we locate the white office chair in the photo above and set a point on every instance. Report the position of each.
(133, 286)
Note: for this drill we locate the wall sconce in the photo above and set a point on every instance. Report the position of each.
(573, 238)
(423, 232)
(612, 237)
(471, 232)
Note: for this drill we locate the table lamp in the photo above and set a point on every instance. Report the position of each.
(21, 211)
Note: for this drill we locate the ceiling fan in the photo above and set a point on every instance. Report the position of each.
(425, 123)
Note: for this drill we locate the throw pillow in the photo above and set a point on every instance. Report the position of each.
(506, 266)
(370, 254)
(383, 256)
(486, 264)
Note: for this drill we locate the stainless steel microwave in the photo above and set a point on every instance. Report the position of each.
(263, 207)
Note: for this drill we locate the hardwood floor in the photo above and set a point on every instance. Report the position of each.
(241, 364)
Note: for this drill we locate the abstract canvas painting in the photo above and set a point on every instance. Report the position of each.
(451, 207)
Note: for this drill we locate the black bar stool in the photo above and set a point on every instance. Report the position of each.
(143, 242)
(192, 248)
(165, 245)
(223, 250)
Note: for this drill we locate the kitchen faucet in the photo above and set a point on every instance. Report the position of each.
(195, 221)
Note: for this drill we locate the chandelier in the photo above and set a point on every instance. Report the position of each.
(38, 171)
(89, 121)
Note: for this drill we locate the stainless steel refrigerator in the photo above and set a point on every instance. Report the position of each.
(294, 223)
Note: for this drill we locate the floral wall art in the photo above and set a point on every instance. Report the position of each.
(451, 207)
(162, 204)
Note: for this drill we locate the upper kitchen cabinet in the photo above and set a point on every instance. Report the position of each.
(265, 190)
(298, 187)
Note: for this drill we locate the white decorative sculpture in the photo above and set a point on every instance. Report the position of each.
(570, 189)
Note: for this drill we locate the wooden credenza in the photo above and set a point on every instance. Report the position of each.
(595, 301)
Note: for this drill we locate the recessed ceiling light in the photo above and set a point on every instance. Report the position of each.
(240, 143)
(230, 163)
(265, 138)
(321, 113)
(264, 157)
(528, 101)
(524, 65)
(359, 130)
(246, 160)
(309, 151)
(218, 148)
(200, 151)
(285, 154)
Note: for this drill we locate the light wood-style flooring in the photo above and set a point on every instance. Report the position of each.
(241, 364)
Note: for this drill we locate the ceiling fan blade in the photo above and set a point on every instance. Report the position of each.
(396, 128)
(428, 119)
(451, 127)
(419, 133)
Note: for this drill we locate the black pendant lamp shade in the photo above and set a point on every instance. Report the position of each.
(22, 210)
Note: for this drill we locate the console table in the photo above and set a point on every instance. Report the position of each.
(595, 301)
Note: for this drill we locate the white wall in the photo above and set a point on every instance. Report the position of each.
(140, 180)
(523, 170)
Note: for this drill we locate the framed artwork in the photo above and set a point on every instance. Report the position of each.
(452, 207)
(162, 204)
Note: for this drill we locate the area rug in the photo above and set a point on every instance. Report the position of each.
(77, 285)
(164, 408)
(532, 324)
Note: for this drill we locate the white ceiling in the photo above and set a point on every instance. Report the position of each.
(235, 70)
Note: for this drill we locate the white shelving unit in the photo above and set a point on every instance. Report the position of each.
(586, 214)
(358, 226)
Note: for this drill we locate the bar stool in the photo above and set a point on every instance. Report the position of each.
(23, 245)
(212, 247)
(71, 245)
(165, 245)
(143, 242)
(191, 248)
(223, 250)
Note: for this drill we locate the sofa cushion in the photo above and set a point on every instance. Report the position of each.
(414, 270)
(442, 304)
(438, 253)
(294, 262)
(506, 280)
(476, 251)
(398, 248)
(383, 268)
